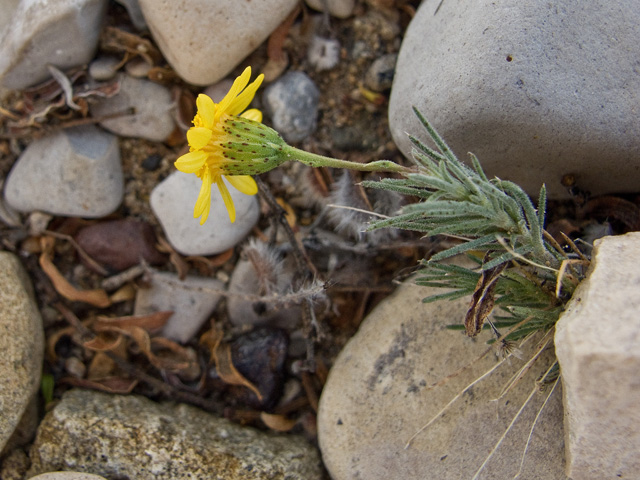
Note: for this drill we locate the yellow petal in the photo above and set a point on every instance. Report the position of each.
(198, 137)
(203, 204)
(243, 183)
(228, 201)
(191, 162)
(206, 109)
(243, 100)
(253, 114)
(238, 84)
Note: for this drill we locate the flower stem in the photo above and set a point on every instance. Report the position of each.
(314, 160)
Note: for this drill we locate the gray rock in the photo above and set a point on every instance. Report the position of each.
(191, 300)
(103, 68)
(377, 397)
(132, 437)
(35, 33)
(151, 104)
(337, 8)
(21, 344)
(535, 89)
(379, 77)
(598, 346)
(173, 200)
(224, 30)
(292, 103)
(75, 172)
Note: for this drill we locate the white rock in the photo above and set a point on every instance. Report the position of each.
(598, 346)
(173, 200)
(337, 8)
(128, 436)
(377, 397)
(67, 476)
(191, 300)
(75, 172)
(535, 89)
(151, 103)
(323, 53)
(21, 344)
(219, 34)
(34, 33)
(104, 68)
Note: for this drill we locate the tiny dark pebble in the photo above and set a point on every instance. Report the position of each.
(259, 356)
(152, 162)
(120, 244)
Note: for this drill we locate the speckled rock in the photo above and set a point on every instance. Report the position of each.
(35, 33)
(75, 172)
(219, 35)
(292, 103)
(191, 300)
(598, 346)
(132, 437)
(21, 344)
(379, 77)
(172, 202)
(377, 397)
(535, 90)
(151, 103)
(337, 8)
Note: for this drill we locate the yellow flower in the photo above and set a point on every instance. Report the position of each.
(214, 147)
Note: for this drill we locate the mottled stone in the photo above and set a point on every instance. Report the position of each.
(292, 103)
(21, 344)
(377, 397)
(132, 437)
(598, 346)
(75, 172)
(535, 90)
(37, 33)
(219, 34)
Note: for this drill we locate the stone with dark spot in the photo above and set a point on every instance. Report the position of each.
(120, 244)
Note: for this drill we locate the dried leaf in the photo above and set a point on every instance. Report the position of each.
(116, 40)
(279, 423)
(149, 322)
(221, 355)
(482, 300)
(54, 338)
(103, 342)
(98, 297)
(102, 365)
(110, 385)
(174, 257)
(124, 293)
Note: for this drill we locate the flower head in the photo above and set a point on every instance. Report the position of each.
(226, 143)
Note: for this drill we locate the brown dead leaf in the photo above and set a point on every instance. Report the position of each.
(482, 300)
(116, 385)
(116, 40)
(149, 322)
(279, 423)
(174, 257)
(98, 297)
(54, 338)
(124, 293)
(104, 342)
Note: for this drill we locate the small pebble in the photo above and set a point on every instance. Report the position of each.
(152, 162)
(292, 103)
(137, 68)
(172, 202)
(379, 77)
(337, 8)
(75, 172)
(103, 68)
(120, 244)
(150, 107)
